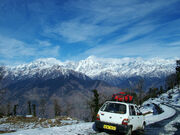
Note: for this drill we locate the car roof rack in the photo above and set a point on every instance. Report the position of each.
(122, 97)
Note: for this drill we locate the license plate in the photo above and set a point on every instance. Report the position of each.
(109, 127)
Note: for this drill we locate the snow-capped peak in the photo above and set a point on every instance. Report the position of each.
(37, 64)
(95, 67)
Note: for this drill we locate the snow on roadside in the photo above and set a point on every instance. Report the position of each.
(170, 126)
(170, 97)
(76, 129)
(168, 112)
(165, 101)
(148, 108)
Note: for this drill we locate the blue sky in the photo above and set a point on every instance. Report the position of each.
(76, 29)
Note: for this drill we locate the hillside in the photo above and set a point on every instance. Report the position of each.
(72, 92)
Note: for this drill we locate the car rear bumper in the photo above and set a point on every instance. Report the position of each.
(119, 128)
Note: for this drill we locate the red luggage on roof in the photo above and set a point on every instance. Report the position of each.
(122, 97)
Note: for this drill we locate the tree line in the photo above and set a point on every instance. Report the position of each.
(12, 110)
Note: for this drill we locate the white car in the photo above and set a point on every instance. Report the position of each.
(119, 117)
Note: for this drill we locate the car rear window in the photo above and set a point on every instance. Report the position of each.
(114, 108)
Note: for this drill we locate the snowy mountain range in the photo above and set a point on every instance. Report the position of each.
(93, 67)
(110, 70)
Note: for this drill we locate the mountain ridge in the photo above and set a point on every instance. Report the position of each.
(101, 68)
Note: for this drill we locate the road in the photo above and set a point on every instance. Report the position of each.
(165, 127)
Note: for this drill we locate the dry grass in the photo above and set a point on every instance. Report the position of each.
(20, 122)
(10, 131)
(14, 123)
(18, 119)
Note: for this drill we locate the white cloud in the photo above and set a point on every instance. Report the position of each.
(12, 48)
(44, 43)
(75, 31)
(174, 44)
(133, 32)
(17, 51)
(134, 49)
(95, 19)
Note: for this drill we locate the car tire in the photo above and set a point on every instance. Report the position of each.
(143, 126)
(96, 129)
(129, 131)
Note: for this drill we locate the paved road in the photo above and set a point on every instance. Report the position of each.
(161, 128)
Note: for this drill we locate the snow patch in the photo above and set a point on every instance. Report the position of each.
(168, 112)
(76, 129)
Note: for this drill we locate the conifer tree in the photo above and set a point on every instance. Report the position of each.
(15, 109)
(2, 91)
(34, 110)
(161, 90)
(42, 107)
(178, 72)
(95, 105)
(29, 108)
(140, 86)
(57, 108)
(8, 109)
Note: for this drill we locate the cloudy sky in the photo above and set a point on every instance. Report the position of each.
(76, 29)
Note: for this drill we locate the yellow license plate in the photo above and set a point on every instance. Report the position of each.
(109, 127)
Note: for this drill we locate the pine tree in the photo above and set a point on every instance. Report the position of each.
(15, 110)
(161, 90)
(57, 108)
(2, 91)
(95, 105)
(8, 109)
(34, 110)
(140, 86)
(42, 107)
(178, 72)
(29, 108)
(171, 81)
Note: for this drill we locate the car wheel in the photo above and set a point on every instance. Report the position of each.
(96, 129)
(143, 126)
(129, 131)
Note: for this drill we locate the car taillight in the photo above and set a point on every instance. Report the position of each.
(125, 122)
(98, 117)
